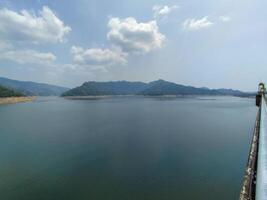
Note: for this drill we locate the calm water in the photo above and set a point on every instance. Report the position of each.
(125, 148)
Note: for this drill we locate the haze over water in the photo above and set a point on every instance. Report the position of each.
(125, 148)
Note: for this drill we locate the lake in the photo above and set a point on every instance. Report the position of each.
(125, 148)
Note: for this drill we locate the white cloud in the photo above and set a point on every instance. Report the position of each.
(5, 45)
(197, 24)
(225, 18)
(27, 57)
(160, 11)
(133, 37)
(98, 56)
(27, 26)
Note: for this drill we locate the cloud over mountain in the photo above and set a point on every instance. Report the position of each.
(31, 27)
(27, 56)
(126, 36)
(97, 56)
(134, 37)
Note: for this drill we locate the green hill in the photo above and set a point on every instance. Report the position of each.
(6, 92)
(161, 87)
(33, 88)
(155, 88)
(106, 88)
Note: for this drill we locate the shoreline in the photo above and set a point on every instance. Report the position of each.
(145, 96)
(12, 100)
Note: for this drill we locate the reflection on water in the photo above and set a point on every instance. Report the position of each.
(125, 148)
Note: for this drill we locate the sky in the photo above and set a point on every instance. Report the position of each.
(215, 44)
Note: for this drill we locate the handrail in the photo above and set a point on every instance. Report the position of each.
(261, 181)
(248, 187)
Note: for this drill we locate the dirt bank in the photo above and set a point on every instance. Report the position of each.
(9, 100)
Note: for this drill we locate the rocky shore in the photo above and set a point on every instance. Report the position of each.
(10, 100)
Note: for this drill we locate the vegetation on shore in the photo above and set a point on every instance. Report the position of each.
(6, 92)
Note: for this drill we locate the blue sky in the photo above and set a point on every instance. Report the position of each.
(201, 43)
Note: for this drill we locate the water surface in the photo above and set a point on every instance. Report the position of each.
(125, 148)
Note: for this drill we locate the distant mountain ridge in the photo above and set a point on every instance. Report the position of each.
(107, 88)
(154, 88)
(32, 88)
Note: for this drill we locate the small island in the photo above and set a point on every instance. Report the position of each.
(8, 96)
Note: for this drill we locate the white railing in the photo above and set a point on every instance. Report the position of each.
(261, 179)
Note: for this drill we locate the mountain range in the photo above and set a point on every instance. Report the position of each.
(154, 88)
(30, 88)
